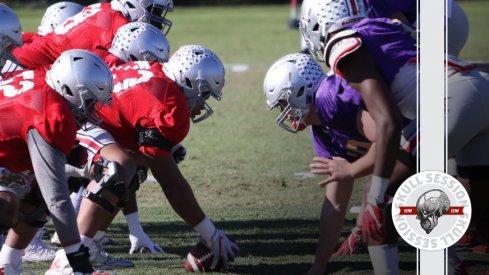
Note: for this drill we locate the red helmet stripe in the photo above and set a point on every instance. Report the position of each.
(353, 7)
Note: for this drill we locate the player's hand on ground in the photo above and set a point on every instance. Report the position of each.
(373, 222)
(142, 244)
(222, 248)
(338, 169)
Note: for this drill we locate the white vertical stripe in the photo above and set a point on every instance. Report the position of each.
(431, 108)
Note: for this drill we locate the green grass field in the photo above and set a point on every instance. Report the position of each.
(247, 173)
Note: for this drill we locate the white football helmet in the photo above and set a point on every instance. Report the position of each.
(56, 14)
(326, 16)
(147, 11)
(138, 41)
(290, 84)
(200, 74)
(84, 80)
(10, 32)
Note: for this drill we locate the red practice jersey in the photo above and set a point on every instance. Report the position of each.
(144, 96)
(28, 37)
(27, 102)
(109, 59)
(95, 26)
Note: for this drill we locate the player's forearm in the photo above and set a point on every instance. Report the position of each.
(176, 189)
(184, 203)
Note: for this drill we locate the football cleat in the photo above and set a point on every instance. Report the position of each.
(38, 250)
(61, 266)
(100, 259)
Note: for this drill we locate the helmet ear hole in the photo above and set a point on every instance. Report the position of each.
(67, 90)
(300, 92)
(188, 83)
(130, 5)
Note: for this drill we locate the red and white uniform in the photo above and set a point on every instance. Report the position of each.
(145, 96)
(94, 26)
(27, 102)
(109, 59)
(28, 37)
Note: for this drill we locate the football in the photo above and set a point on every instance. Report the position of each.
(199, 259)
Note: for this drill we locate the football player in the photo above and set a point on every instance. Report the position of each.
(342, 136)
(135, 41)
(54, 16)
(150, 114)
(95, 26)
(49, 107)
(383, 70)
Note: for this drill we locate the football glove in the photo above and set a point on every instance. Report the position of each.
(373, 221)
(143, 244)
(179, 152)
(353, 244)
(222, 248)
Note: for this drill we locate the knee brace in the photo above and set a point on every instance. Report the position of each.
(106, 174)
(139, 177)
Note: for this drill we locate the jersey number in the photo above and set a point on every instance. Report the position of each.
(18, 84)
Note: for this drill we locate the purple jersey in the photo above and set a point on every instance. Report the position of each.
(385, 8)
(337, 106)
(389, 44)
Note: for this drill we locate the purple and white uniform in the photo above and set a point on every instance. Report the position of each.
(386, 8)
(393, 51)
(338, 106)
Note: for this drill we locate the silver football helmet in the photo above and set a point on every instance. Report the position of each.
(56, 14)
(147, 11)
(84, 80)
(138, 41)
(200, 74)
(324, 17)
(10, 32)
(290, 85)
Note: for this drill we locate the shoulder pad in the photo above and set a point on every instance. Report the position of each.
(339, 46)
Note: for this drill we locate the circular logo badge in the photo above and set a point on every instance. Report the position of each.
(431, 210)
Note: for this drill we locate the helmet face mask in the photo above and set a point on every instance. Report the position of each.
(200, 74)
(147, 11)
(85, 82)
(290, 85)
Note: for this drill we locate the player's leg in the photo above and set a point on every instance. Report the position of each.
(331, 223)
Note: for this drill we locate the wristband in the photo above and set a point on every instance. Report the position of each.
(377, 189)
(205, 228)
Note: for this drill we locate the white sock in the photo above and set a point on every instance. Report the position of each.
(377, 189)
(385, 259)
(86, 241)
(9, 255)
(72, 248)
(134, 224)
(99, 235)
(76, 199)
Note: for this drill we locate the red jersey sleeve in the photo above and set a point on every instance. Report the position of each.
(41, 51)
